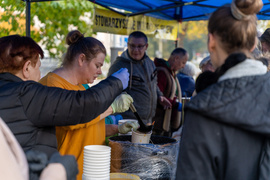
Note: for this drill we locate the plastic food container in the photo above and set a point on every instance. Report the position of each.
(123, 176)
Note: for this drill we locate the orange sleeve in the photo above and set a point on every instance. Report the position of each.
(53, 80)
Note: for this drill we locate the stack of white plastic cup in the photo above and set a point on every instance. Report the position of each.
(96, 162)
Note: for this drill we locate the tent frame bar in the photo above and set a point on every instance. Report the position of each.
(28, 18)
(28, 14)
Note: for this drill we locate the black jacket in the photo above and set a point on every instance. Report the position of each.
(226, 131)
(32, 110)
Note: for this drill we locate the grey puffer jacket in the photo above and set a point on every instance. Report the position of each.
(227, 128)
(142, 85)
(32, 110)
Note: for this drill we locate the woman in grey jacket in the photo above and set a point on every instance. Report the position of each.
(226, 129)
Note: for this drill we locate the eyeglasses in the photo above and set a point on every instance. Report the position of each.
(139, 47)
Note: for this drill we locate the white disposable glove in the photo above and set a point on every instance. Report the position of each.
(121, 103)
(128, 126)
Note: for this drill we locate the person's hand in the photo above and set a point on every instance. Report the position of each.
(37, 160)
(165, 102)
(128, 126)
(69, 162)
(122, 75)
(121, 103)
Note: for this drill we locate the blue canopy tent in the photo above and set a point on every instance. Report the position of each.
(179, 10)
(187, 10)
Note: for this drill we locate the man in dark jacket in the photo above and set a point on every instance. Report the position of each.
(143, 80)
(168, 120)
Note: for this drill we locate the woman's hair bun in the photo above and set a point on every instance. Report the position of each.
(248, 7)
(73, 37)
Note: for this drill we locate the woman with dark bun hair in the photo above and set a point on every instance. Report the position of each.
(227, 126)
(82, 65)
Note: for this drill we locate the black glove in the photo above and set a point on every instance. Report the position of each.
(69, 162)
(37, 161)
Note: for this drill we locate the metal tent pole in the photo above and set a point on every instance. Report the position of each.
(28, 18)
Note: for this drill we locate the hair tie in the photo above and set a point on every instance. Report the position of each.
(237, 14)
(80, 38)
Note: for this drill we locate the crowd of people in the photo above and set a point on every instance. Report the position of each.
(225, 135)
(45, 123)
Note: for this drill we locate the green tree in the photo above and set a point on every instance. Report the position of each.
(191, 30)
(198, 45)
(193, 37)
(262, 26)
(167, 46)
(50, 21)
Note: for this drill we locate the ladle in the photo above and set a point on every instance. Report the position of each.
(143, 128)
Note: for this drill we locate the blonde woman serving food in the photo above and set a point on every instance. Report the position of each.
(82, 65)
